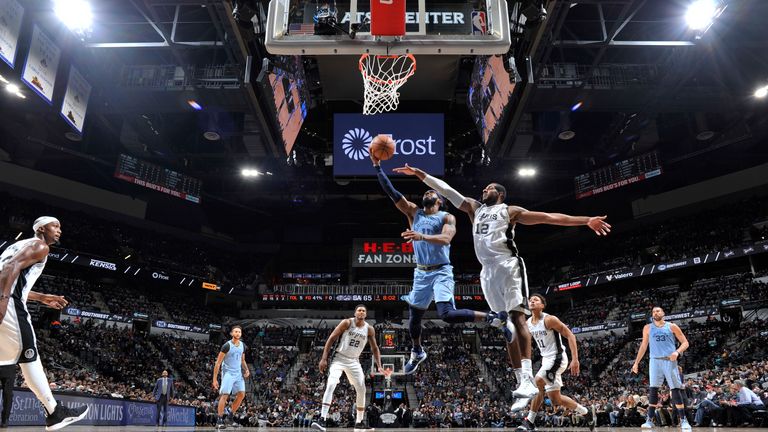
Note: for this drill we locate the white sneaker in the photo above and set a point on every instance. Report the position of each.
(520, 404)
(684, 425)
(526, 389)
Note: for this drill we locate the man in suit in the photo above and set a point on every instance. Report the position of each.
(7, 377)
(163, 393)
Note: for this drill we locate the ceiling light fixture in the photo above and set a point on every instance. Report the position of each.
(761, 92)
(526, 172)
(75, 14)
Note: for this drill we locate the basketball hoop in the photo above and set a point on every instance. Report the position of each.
(383, 75)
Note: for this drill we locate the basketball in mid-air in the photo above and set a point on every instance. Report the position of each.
(382, 147)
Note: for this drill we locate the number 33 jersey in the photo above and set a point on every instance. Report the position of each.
(353, 340)
(493, 234)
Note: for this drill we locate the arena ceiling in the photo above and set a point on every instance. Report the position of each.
(645, 81)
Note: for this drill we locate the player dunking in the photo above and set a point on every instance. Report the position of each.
(20, 266)
(354, 333)
(503, 277)
(661, 335)
(431, 231)
(548, 332)
(232, 357)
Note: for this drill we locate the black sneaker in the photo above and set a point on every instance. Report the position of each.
(221, 423)
(363, 427)
(318, 425)
(527, 426)
(63, 416)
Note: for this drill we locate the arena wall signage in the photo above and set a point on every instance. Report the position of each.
(71, 311)
(316, 298)
(419, 141)
(610, 325)
(181, 327)
(382, 252)
(27, 411)
(617, 275)
(157, 275)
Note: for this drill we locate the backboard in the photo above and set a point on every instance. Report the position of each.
(433, 27)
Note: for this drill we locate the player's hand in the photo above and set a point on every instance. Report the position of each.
(412, 235)
(599, 226)
(216, 384)
(674, 356)
(54, 301)
(407, 170)
(323, 365)
(247, 373)
(635, 369)
(574, 367)
(374, 159)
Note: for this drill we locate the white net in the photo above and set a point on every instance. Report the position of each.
(382, 77)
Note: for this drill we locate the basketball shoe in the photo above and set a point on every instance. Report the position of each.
(414, 362)
(62, 416)
(319, 424)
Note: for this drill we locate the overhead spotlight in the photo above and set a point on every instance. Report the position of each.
(566, 135)
(75, 14)
(702, 13)
(3, 80)
(211, 135)
(526, 172)
(21, 95)
(761, 92)
(193, 103)
(249, 172)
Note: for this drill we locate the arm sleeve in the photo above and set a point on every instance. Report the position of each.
(225, 347)
(443, 189)
(387, 185)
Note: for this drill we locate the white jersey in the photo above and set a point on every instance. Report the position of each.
(28, 276)
(493, 234)
(550, 342)
(353, 340)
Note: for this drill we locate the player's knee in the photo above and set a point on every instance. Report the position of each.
(554, 396)
(653, 396)
(540, 383)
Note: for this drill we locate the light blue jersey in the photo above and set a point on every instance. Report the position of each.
(232, 363)
(662, 344)
(427, 253)
(661, 341)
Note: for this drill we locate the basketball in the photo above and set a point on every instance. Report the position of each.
(382, 147)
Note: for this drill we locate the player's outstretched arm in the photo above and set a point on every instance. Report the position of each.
(467, 205)
(525, 217)
(341, 328)
(375, 348)
(643, 347)
(408, 208)
(554, 323)
(680, 338)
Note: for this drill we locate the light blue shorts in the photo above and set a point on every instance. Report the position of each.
(428, 285)
(232, 383)
(660, 369)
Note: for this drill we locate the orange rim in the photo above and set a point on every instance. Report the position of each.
(388, 82)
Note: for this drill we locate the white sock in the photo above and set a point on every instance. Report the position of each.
(528, 368)
(360, 415)
(531, 416)
(34, 375)
(580, 409)
(519, 375)
(324, 411)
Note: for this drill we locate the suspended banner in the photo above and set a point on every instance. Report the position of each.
(41, 65)
(76, 100)
(11, 15)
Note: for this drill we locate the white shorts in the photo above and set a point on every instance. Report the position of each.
(349, 366)
(552, 373)
(17, 337)
(505, 285)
